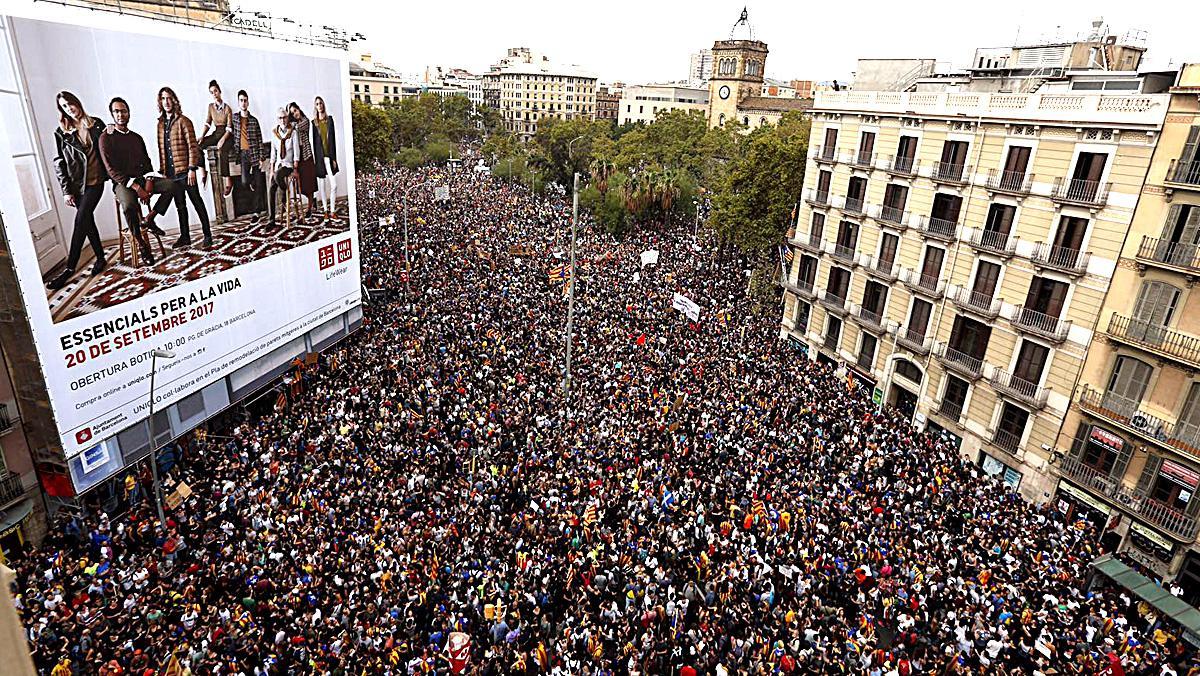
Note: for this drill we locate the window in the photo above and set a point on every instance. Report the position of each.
(1046, 296)
(847, 237)
(355, 87)
(993, 466)
(746, 120)
(946, 208)
(1031, 361)
(823, 179)
(1069, 238)
(1188, 427)
(987, 276)
(808, 270)
(1085, 180)
(1011, 427)
(1015, 164)
(970, 337)
(1154, 310)
(908, 370)
(866, 350)
(999, 223)
(888, 244)
(833, 332)
(831, 134)
(721, 120)
(956, 393)
(1127, 384)
(954, 154)
(918, 317)
(839, 282)
(803, 310)
(1101, 450)
(894, 198)
(875, 297)
(816, 231)
(856, 192)
(906, 153)
(1182, 229)
(931, 271)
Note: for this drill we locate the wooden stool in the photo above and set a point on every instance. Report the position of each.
(123, 231)
(293, 198)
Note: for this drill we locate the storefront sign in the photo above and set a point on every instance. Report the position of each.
(1083, 496)
(1179, 474)
(1107, 439)
(1149, 541)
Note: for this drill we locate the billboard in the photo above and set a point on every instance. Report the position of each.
(224, 215)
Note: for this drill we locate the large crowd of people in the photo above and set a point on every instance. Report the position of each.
(702, 500)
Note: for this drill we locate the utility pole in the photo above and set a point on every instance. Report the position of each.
(571, 289)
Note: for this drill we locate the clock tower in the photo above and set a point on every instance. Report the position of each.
(737, 73)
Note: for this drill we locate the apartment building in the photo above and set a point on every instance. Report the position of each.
(643, 103)
(527, 87)
(953, 250)
(1129, 452)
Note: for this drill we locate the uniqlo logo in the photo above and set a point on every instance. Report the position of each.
(343, 251)
(83, 436)
(325, 256)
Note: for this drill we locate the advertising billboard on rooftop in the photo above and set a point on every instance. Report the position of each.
(172, 188)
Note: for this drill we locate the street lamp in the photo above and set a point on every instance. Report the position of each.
(158, 500)
(407, 265)
(571, 279)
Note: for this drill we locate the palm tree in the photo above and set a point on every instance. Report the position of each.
(668, 191)
(602, 170)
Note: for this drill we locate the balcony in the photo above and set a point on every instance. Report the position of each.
(937, 228)
(817, 198)
(1080, 192)
(1114, 491)
(1129, 415)
(975, 302)
(825, 154)
(913, 341)
(854, 206)
(886, 271)
(869, 319)
(959, 362)
(802, 288)
(831, 342)
(832, 302)
(1071, 261)
(950, 173)
(1040, 324)
(1017, 387)
(990, 241)
(892, 216)
(812, 243)
(1156, 339)
(1006, 441)
(926, 285)
(6, 423)
(1176, 256)
(901, 165)
(1186, 175)
(1018, 183)
(11, 489)
(950, 410)
(863, 160)
(844, 254)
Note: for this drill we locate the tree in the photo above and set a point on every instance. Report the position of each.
(563, 155)
(371, 133)
(602, 169)
(753, 200)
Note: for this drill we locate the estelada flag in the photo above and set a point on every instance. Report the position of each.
(559, 273)
(172, 667)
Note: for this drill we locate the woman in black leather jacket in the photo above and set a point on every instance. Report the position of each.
(82, 176)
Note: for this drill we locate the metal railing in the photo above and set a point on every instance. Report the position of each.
(891, 215)
(952, 410)
(6, 423)
(844, 253)
(1007, 441)
(1001, 243)
(801, 287)
(959, 361)
(854, 205)
(886, 270)
(938, 228)
(863, 159)
(817, 197)
(812, 243)
(825, 154)
(1014, 182)
(1080, 191)
(833, 302)
(905, 166)
(1111, 488)
(1040, 323)
(1071, 261)
(1175, 254)
(915, 341)
(1185, 174)
(1156, 338)
(1123, 411)
(950, 172)
(975, 301)
(872, 319)
(929, 285)
(1029, 392)
(11, 488)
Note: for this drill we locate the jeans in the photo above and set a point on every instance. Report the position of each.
(249, 168)
(128, 200)
(193, 193)
(279, 182)
(84, 227)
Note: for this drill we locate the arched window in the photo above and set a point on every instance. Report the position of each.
(746, 120)
(909, 370)
(762, 122)
(753, 67)
(721, 120)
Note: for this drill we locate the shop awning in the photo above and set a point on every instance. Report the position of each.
(1186, 616)
(13, 516)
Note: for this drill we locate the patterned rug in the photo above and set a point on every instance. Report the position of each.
(235, 243)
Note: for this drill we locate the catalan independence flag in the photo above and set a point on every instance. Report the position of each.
(560, 274)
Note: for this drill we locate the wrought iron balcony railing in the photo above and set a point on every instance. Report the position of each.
(1016, 386)
(976, 302)
(833, 302)
(914, 341)
(902, 165)
(1040, 323)
(1011, 182)
(825, 154)
(1156, 339)
(887, 271)
(960, 362)
(1080, 192)
(1113, 490)
(951, 172)
(869, 319)
(1184, 174)
(819, 198)
(924, 284)
(893, 216)
(1171, 254)
(938, 228)
(991, 241)
(1127, 413)
(854, 206)
(1071, 261)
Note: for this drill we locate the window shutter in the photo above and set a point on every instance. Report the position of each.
(1189, 148)
(1149, 472)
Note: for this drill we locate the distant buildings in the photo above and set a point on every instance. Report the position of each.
(642, 103)
(527, 87)
(608, 101)
(700, 69)
(378, 85)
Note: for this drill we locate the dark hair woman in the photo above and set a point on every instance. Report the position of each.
(324, 143)
(81, 176)
(306, 167)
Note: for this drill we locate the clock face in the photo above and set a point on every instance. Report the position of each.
(723, 91)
